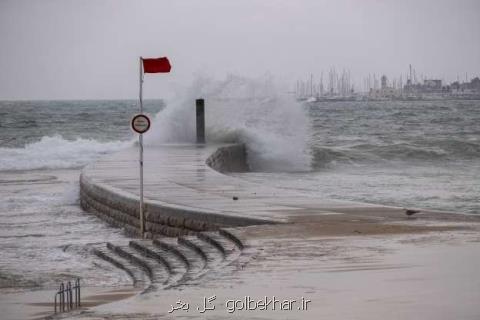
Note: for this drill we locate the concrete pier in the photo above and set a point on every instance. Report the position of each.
(185, 192)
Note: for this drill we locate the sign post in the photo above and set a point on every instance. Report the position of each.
(141, 123)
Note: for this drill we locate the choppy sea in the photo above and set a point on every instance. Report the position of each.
(423, 154)
(44, 235)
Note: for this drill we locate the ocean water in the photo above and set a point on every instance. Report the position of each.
(416, 154)
(421, 154)
(45, 237)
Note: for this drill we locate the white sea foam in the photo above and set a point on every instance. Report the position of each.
(258, 112)
(55, 152)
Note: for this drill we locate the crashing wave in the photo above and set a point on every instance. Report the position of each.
(256, 112)
(55, 152)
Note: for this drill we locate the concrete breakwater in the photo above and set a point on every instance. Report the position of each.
(231, 158)
(120, 207)
(184, 195)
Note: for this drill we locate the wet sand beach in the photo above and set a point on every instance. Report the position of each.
(416, 276)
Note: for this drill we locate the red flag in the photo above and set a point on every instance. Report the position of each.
(156, 65)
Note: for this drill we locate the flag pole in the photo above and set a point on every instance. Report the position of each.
(140, 140)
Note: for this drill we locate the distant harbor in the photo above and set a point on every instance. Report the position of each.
(340, 87)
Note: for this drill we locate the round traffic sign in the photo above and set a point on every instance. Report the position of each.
(140, 123)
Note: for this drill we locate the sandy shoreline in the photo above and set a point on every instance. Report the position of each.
(382, 269)
(374, 276)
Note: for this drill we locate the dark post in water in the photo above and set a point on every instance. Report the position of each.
(200, 120)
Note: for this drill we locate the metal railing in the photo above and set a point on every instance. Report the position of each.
(68, 296)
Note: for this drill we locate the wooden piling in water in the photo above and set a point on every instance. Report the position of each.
(200, 108)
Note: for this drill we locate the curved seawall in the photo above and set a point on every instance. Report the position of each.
(185, 195)
(107, 188)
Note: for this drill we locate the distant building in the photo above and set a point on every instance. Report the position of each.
(385, 91)
(428, 86)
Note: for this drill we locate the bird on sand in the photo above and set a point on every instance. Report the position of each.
(411, 212)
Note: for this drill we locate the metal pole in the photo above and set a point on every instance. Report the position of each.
(141, 84)
(62, 297)
(69, 296)
(140, 140)
(78, 293)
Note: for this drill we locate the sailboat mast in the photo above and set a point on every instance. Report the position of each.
(311, 85)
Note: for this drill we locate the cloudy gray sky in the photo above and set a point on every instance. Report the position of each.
(72, 49)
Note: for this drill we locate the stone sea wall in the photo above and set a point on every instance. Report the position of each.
(121, 209)
(231, 158)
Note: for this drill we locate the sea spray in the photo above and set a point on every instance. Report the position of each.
(258, 112)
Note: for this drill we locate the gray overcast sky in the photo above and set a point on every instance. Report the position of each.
(69, 49)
